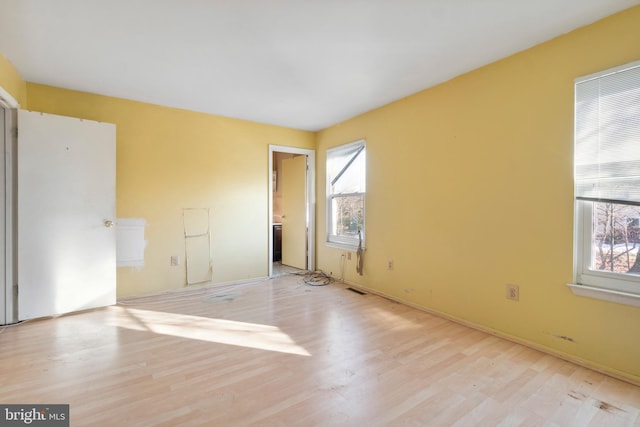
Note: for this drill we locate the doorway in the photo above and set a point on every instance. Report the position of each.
(291, 232)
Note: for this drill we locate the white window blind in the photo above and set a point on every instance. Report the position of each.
(607, 136)
(345, 166)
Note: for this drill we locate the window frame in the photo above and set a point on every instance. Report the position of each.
(584, 275)
(599, 284)
(332, 239)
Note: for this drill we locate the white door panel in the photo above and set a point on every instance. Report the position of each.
(66, 200)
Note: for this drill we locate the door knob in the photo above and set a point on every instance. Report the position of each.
(108, 223)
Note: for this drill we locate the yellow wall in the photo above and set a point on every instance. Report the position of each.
(470, 188)
(12, 82)
(170, 159)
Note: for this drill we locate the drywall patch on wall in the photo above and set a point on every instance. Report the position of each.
(130, 242)
(197, 241)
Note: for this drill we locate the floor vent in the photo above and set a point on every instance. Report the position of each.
(356, 291)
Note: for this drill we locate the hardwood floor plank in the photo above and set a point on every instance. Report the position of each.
(281, 353)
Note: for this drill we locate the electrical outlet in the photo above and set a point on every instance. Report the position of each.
(513, 292)
(390, 264)
(175, 260)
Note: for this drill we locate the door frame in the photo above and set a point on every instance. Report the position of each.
(310, 201)
(8, 289)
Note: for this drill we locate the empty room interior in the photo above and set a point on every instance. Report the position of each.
(321, 213)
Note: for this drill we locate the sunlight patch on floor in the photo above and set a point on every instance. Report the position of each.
(221, 331)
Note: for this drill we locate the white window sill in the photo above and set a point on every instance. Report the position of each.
(605, 294)
(343, 246)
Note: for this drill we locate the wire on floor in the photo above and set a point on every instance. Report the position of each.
(315, 278)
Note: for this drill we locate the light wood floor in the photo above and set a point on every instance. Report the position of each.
(280, 353)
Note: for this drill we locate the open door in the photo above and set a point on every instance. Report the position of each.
(276, 210)
(294, 212)
(66, 215)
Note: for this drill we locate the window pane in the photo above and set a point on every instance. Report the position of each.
(348, 215)
(615, 238)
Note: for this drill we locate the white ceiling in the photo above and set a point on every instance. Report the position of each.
(305, 64)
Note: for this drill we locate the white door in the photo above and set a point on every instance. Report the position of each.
(294, 212)
(66, 214)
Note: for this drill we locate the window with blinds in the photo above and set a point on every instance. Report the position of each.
(607, 179)
(346, 186)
